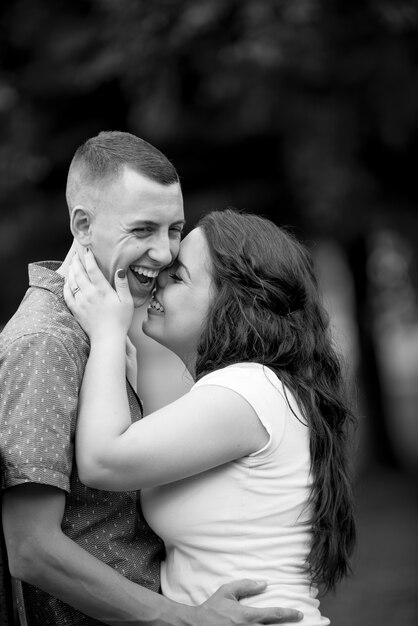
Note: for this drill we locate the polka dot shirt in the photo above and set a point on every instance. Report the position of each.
(43, 352)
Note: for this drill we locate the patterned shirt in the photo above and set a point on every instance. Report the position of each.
(43, 352)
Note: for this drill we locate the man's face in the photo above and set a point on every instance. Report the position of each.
(138, 228)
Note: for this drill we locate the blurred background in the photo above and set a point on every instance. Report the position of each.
(305, 111)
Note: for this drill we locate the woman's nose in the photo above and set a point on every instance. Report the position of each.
(162, 279)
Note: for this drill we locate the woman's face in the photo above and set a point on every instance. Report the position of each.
(182, 298)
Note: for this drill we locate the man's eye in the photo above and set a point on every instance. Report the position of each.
(142, 231)
(177, 232)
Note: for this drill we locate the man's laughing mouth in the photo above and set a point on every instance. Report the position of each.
(144, 275)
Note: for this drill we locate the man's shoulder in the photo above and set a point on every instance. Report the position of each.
(40, 321)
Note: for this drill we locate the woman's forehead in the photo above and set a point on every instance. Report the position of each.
(194, 244)
(194, 252)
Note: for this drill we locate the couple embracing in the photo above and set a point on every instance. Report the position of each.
(244, 478)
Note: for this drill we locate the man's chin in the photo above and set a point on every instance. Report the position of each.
(140, 301)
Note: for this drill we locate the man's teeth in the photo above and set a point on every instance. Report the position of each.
(144, 271)
(144, 274)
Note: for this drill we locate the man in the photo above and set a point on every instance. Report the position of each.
(86, 555)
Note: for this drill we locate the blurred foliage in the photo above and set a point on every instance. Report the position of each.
(331, 86)
(317, 99)
(304, 110)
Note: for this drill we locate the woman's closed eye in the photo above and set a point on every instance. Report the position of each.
(175, 277)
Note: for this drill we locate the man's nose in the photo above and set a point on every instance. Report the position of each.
(161, 250)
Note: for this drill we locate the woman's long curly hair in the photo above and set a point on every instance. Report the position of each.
(267, 310)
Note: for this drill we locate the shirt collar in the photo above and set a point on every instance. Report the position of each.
(44, 275)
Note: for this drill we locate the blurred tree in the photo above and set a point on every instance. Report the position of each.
(305, 110)
(332, 85)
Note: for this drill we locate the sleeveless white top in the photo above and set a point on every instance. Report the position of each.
(244, 519)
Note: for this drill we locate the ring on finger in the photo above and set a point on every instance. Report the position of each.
(75, 290)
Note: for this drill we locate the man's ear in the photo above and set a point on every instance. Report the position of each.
(80, 224)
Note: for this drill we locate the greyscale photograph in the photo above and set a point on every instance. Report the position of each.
(209, 312)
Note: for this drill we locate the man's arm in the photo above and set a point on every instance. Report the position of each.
(40, 554)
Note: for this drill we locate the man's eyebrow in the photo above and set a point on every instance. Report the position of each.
(151, 223)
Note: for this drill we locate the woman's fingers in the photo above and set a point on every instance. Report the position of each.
(77, 279)
(122, 286)
(69, 296)
(93, 301)
(92, 270)
(77, 273)
(85, 274)
(72, 280)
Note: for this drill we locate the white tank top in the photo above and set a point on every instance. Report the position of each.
(244, 519)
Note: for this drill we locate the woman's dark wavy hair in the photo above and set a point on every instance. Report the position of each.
(267, 310)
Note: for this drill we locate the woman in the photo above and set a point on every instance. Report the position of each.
(245, 475)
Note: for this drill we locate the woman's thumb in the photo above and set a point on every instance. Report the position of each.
(122, 286)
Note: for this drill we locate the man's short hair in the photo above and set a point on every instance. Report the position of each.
(105, 156)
